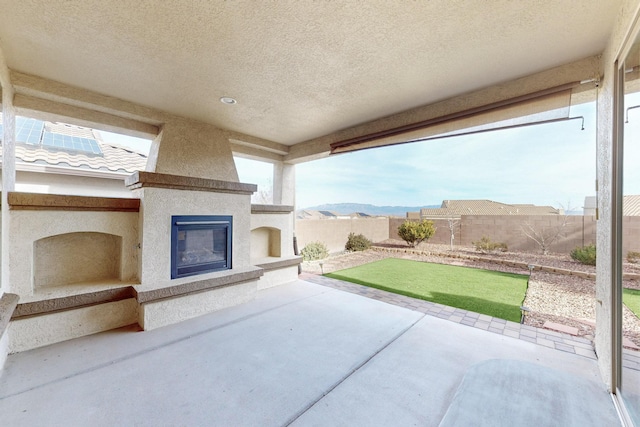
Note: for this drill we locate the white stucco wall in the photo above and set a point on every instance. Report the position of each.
(52, 183)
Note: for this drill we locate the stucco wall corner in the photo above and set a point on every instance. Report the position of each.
(605, 138)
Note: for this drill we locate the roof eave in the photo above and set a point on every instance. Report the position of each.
(65, 170)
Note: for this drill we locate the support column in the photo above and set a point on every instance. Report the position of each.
(8, 184)
(284, 184)
(605, 228)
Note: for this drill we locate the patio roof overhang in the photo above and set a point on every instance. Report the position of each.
(306, 76)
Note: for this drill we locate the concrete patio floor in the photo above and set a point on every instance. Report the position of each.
(304, 355)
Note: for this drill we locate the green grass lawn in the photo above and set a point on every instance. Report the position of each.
(631, 298)
(482, 291)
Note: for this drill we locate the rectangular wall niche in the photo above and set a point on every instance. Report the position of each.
(200, 244)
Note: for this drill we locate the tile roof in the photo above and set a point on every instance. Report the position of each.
(457, 208)
(313, 214)
(631, 206)
(114, 158)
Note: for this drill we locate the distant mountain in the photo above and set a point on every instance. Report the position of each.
(348, 208)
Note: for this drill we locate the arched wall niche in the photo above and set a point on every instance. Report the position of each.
(72, 258)
(266, 242)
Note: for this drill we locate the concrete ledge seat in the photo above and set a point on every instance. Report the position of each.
(148, 293)
(70, 297)
(274, 263)
(277, 270)
(8, 303)
(75, 296)
(52, 316)
(271, 209)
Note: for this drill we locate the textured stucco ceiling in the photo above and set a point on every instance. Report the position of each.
(299, 69)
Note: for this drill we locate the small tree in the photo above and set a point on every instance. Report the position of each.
(314, 251)
(416, 232)
(264, 195)
(544, 237)
(452, 230)
(357, 242)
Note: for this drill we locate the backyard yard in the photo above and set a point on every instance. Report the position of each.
(559, 298)
(487, 292)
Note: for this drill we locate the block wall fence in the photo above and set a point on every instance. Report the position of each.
(333, 232)
(579, 231)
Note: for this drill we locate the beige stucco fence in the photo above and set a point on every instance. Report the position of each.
(333, 232)
(578, 231)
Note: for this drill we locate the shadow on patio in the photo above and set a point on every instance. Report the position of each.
(305, 354)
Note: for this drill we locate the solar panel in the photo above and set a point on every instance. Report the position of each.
(32, 132)
(28, 131)
(73, 143)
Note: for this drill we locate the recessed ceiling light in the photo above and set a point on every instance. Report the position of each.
(228, 100)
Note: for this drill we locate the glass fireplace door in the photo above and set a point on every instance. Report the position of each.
(200, 244)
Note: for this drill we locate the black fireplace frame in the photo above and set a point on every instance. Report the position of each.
(182, 223)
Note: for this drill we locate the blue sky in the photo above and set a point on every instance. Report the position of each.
(135, 144)
(544, 165)
(552, 164)
(549, 164)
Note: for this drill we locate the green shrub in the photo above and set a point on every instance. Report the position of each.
(314, 251)
(633, 257)
(585, 254)
(486, 245)
(416, 232)
(357, 242)
(501, 246)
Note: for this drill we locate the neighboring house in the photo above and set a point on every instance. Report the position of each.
(590, 205)
(630, 205)
(413, 215)
(457, 208)
(313, 214)
(59, 158)
(361, 215)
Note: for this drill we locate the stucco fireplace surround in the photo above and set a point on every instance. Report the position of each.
(163, 299)
(81, 265)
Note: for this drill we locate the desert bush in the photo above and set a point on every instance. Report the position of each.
(485, 245)
(585, 254)
(633, 257)
(357, 242)
(314, 251)
(414, 232)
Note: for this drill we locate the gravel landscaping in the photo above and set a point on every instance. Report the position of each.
(560, 298)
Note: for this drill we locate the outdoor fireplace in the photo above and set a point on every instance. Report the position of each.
(200, 244)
